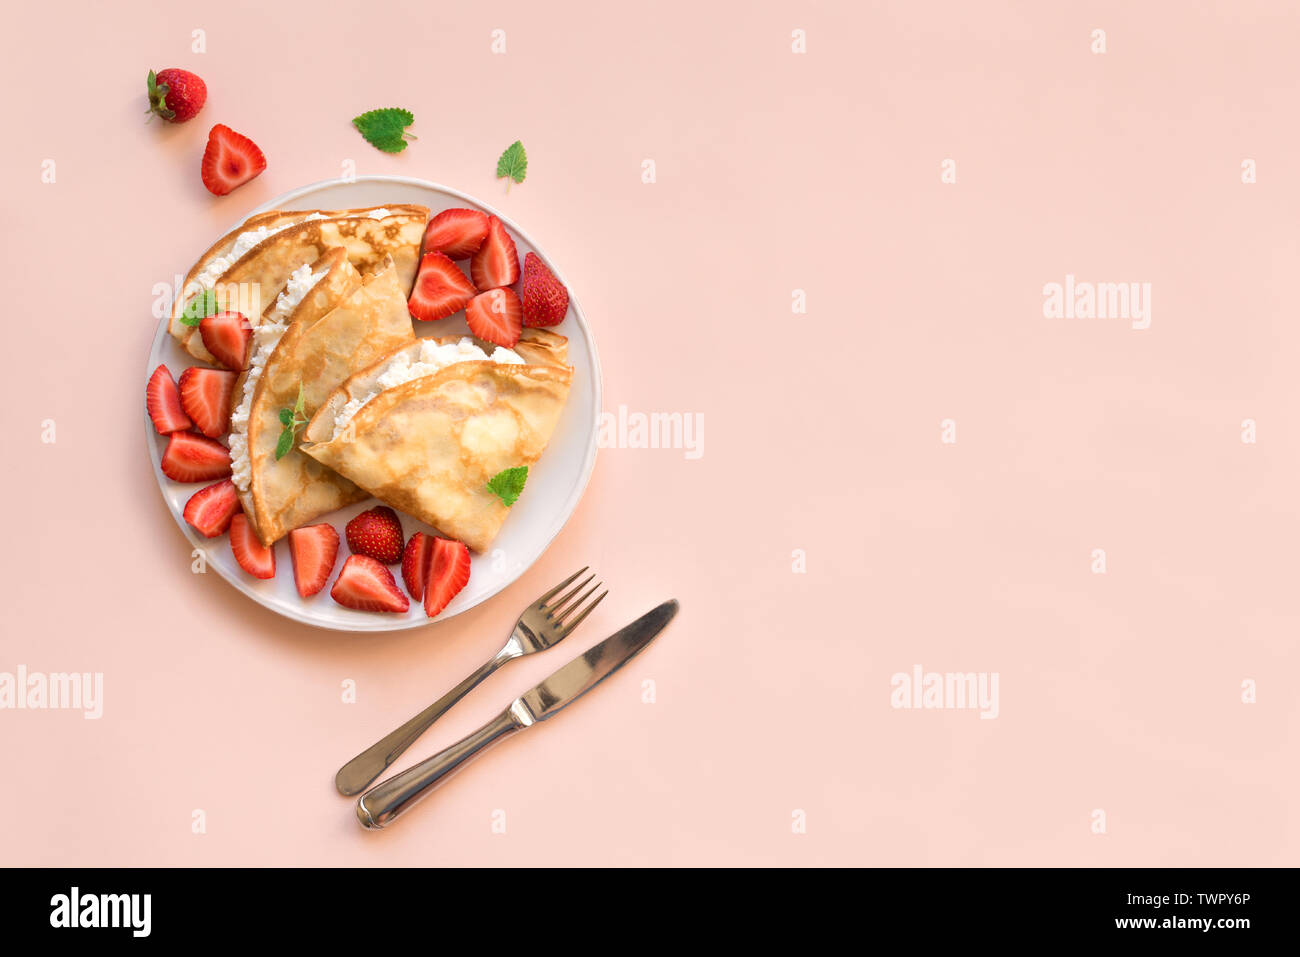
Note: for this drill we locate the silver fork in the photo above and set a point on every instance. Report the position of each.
(539, 627)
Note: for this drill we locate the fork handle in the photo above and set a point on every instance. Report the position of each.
(384, 803)
(354, 776)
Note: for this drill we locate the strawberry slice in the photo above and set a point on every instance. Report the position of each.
(416, 561)
(205, 397)
(441, 289)
(313, 549)
(211, 509)
(448, 574)
(366, 585)
(497, 262)
(497, 316)
(227, 335)
(190, 457)
(545, 298)
(253, 557)
(230, 160)
(164, 403)
(456, 233)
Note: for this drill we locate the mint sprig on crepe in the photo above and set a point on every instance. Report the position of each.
(386, 129)
(513, 164)
(292, 420)
(200, 307)
(507, 484)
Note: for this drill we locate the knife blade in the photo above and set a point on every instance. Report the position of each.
(583, 673)
(382, 804)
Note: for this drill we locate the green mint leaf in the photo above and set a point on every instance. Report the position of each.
(513, 164)
(286, 441)
(285, 444)
(200, 307)
(506, 485)
(291, 419)
(385, 129)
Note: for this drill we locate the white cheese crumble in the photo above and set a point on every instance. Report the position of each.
(433, 358)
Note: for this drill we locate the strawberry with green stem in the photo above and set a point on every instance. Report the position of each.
(174, 94)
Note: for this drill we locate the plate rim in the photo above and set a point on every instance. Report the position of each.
(383, 624)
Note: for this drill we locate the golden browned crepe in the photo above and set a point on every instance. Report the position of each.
(429, 446)
(248, 284)
(541, 347)
(536, 347)
(318, 353)
(221, 256)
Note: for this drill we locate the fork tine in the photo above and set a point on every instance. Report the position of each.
(541, 602)
(554, 610)
(577, 602)
(574, 623)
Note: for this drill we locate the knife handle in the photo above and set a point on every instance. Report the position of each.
(384, 803)
(354, 776)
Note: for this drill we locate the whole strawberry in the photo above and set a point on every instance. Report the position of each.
(377, 533)
(176, 95)
(545, 299)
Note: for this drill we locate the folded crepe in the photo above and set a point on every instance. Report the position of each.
(426, 428)
(232, 247)
(310, 340)
(247, 267)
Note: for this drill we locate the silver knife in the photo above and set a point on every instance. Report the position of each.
(383, 804)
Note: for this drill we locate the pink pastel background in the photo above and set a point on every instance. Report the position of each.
(776, 171)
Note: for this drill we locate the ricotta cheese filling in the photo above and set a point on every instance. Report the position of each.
(432, 358)
(265, 337)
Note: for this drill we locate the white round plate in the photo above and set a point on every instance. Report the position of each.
(555, 484)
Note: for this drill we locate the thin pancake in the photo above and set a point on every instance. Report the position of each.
(339, 282)
(429, 447)
(293, 490)
(221, 255)
(248, 285)
(536, 347)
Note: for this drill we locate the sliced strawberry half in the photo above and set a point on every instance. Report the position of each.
(497, 261)
(545, 299)
(497, 316)
(164, 403)
(230, 160)
(416, 561)
(366, 585)
(190, 457)
(313, 549)
(448, 574)
(441, 289)
(205, 397)
(227, 335)
(456, 233)
(211, 509)
(253, 557)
